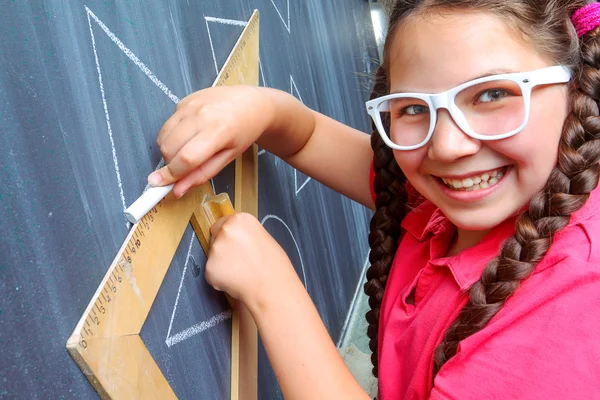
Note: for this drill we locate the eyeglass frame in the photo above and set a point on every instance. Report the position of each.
(526, 80)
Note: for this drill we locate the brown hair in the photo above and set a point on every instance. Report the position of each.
(546, 25)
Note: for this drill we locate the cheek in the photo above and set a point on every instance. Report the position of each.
(410, 161)
(535, 149)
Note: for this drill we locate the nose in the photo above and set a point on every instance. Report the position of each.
(449, 142)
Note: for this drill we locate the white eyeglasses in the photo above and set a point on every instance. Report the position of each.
(489, 108)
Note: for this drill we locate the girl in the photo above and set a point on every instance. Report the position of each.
(485, 243)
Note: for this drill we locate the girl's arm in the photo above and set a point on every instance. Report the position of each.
(304, 358)
(324, 149)
(213, 126)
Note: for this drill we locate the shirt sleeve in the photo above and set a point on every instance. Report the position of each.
(546, 346)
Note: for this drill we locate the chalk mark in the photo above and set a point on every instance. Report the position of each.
(200, 327)
(353, 305)
(196, 328)
(287, 26)
(232, 22)
(132, 57)
(106, 115)
(294, 92)
(275, 217)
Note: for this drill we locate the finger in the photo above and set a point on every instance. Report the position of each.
(204, 173)
(169, 124)
(182, 133)
(194, 153)
(185, 108)
(216, 228)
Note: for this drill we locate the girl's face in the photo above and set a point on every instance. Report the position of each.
(435, 53)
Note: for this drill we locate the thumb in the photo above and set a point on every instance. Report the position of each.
(161, 177)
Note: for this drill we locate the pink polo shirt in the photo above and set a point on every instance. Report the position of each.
(543, 344)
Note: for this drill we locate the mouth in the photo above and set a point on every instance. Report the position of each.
(476, 182)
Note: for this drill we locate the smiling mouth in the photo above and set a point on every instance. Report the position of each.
(475, 182)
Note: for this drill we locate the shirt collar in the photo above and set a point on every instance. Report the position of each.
(427, 222)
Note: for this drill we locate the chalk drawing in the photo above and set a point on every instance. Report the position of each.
(226, 21)
(294, 92)
(287, 25)
(132, 56)
(106, 115)
(196, 328)
(276, 218)
(351, 310)
(232, 22)
(200, 327)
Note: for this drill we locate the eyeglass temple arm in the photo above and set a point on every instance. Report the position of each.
(551, 75)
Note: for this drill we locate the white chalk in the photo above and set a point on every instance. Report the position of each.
(146, 201)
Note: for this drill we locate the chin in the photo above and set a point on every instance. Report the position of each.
(475, 220)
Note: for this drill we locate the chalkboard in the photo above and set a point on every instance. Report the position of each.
(84, 88)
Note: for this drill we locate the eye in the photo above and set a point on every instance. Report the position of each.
(415, 109)
(492, 95)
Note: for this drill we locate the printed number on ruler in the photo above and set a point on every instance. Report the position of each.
(110, 290)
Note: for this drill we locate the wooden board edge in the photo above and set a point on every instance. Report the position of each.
(246, 200)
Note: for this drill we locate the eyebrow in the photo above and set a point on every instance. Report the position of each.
(484, 75)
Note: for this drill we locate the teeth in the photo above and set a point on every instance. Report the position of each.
(457, 184)
(476, 182)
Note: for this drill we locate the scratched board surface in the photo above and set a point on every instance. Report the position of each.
(84, 88)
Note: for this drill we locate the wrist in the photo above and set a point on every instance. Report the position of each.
(290, 124)
(274, 292)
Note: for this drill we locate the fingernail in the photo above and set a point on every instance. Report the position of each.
(154, 178)
(183, 194)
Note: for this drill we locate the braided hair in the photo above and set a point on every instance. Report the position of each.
(568, 187)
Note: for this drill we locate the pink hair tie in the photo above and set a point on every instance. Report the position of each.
(586, 19)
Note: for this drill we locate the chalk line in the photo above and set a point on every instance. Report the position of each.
(198, 328)
(260, 68)
(353, 302)
(275, 217)
(106, 115)
(212, 49)
(226, 21)
(295, 92)
(132, 56)
(287, 26)
(187, 258)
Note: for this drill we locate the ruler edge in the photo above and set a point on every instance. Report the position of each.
(77, 331)
(252, 21)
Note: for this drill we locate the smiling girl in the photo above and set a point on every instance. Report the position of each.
(485, 242)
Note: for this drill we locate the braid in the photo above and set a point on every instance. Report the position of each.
(568, 188)
(385, 224)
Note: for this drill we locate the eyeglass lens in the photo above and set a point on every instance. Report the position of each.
(490, 109)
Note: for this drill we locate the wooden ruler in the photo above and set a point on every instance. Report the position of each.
(106, 343)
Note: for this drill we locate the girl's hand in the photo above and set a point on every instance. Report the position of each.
(208, 130)
(246, 262)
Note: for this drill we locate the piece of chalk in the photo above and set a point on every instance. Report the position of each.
(145, 202)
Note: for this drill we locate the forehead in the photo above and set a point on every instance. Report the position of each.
(435, 52)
